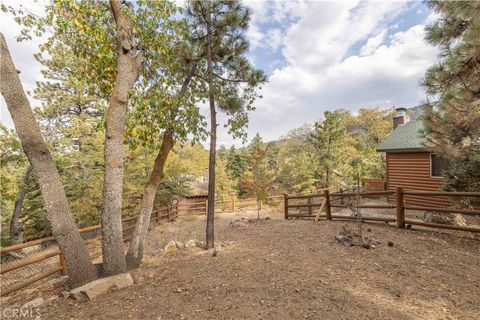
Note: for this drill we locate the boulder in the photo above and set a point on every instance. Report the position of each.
(237, 222)
(171, 247)
(35, 303)
(191, 243)
(179, 245)
(58, 282)
(101, 286)
(194, 243)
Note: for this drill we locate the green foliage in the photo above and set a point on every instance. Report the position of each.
(258, 180)
(452, 118)
(370, 127)
(296, 168)
(234, 80)
(333, 148)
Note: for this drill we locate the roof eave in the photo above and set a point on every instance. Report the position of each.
(404, 150)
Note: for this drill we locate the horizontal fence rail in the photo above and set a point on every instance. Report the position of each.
(342, 205)
(29, 262)
(25, 263)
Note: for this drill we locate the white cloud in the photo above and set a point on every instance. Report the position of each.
(274, 39)
(322, 74)
(373, 43)
(22, 53)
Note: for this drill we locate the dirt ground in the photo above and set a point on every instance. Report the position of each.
(294, 269)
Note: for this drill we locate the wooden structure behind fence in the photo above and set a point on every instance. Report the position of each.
(320, 206)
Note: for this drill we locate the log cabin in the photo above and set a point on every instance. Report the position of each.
(408, 162)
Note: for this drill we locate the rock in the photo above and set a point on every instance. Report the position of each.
(171, 247)
(238, 223)
(58, 282)
(346, 241)
(194, 243)
(190, 243)
(35, 303)
(101, 286)
(179, 245)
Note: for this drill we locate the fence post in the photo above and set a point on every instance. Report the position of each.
(157, 215)
(309, 202)
(400, 207)
(328, 209)
(63, 265)
(285, 205)
(206, 207)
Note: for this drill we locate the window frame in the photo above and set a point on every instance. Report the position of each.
(431, 167)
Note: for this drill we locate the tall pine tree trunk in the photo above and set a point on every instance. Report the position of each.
(128, 65)
(134, 255)
(16, 232)
(64, 229)
(210, 231)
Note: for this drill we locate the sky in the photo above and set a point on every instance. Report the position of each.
(318, 55)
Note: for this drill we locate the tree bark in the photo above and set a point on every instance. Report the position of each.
(79, 265)
(134, 255)
(135, 249)
(210, 230)
(16, 231)
(128, 66)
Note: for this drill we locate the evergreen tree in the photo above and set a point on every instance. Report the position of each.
(452, 118)
(236, 165)
(218, 29)
(333, 147)
(258, 181)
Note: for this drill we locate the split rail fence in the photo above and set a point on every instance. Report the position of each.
(374, 206)
(25, 263)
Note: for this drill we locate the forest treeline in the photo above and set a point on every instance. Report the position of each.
(299, 162)
(119, 129)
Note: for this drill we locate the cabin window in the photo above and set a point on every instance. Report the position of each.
(437, 165)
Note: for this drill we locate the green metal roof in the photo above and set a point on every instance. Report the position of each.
(405, 138)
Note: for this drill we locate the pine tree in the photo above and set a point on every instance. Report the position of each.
(218, 28)
(452, 117)
(258, 181)
(333, 146)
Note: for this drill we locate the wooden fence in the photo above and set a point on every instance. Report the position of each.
(38, 259)
(33, 257)
(321, 205)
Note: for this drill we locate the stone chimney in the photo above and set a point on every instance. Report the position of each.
(401, 118)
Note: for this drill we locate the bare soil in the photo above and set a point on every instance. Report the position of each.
(294, 269)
